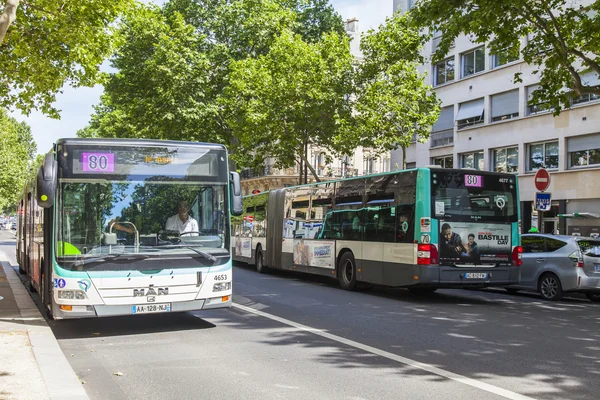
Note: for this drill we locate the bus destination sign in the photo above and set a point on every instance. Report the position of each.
(98, 162)
(474, 181)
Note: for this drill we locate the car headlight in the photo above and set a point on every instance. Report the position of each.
(72, 294)
(219, 287)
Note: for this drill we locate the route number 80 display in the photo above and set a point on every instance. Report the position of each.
(98, 162)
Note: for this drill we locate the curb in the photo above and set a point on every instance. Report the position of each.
(59, 378)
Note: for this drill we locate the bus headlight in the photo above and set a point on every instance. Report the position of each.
(72, 294)
(219, 287)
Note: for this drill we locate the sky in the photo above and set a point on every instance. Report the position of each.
(76, 104)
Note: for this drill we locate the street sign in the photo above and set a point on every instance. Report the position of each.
(543, 201)
(542, 179)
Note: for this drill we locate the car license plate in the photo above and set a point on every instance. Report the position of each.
(151, 308)
(475, 275)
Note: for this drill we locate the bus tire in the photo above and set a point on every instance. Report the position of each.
(347, 271)
(259, 261)
(549, 287)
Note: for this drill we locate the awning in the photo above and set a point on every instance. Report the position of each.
(471, 109)
(580, 215)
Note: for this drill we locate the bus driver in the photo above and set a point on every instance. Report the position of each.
(182, 222)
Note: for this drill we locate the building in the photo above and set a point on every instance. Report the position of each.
(487, 123)
(362, 162)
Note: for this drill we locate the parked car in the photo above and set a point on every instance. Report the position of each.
(556, 264)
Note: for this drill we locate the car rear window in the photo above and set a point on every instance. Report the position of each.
(554, 244)
(590, 248)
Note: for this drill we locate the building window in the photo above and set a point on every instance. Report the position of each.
(585, 98)
(587, 79)
(473, 62)
(469, 114)
(584, 150)
(443, 130)
(543, 155)
(505, 105)
(444, 162)
(506, 160)
(444, 71)
(504, 57)
(411, 165)
(534, 107)
(472, 160)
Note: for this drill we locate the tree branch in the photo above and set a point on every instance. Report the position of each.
(28, 5)
(8, 17)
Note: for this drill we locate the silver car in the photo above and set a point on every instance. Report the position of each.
(556, 264)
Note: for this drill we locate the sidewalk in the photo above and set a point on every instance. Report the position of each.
(32, 365)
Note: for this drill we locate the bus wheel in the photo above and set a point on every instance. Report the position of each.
(259, 261)
(347, 271)
(550, 287)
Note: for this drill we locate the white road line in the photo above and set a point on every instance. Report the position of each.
(416, 364)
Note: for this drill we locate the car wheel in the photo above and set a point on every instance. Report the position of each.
(593, 296)
(421, 290)
(259, 262)
(511, 290)
(347, 271)
(550, 287)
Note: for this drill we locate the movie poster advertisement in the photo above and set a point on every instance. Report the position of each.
(314, 253)
(475, 243)
(243, 246)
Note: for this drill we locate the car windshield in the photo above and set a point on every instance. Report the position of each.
(157, 218)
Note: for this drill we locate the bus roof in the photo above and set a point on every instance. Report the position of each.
(429, 167)
(138, 142)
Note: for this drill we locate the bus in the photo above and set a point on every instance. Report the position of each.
(423, 229)
(93, 236)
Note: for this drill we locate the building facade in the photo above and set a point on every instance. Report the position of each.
(487, 123)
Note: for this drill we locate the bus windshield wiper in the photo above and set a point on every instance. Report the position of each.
(109, 257)
(185, 246)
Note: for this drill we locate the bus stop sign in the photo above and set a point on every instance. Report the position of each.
(542, 201)
(542, 179)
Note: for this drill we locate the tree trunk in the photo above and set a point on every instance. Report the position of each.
(8, 17)
(300, 170)
(403, 147)
(312, 170)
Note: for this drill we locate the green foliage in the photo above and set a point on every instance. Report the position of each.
(53, 43)
(293, 96)
(393, 104)
(176, 63)
(563, 38)
(16, 153)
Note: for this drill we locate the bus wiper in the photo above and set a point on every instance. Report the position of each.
(108, 257)
(183, 246)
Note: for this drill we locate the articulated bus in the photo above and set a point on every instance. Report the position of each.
(423, 229)
(93, 236)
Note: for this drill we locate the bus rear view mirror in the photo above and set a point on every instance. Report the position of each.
(46, 182)
(236, 194)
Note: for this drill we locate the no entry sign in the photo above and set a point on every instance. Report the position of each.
(542, 179)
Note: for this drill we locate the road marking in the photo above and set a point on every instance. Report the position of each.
(416, 364)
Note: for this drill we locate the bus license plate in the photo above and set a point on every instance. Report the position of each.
(151, 308)
(475, 275)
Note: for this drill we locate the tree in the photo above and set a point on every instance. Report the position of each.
(175, 64)
(563, 38)
(292, 98)
(16, 155)
(45, 44)
(393, 105)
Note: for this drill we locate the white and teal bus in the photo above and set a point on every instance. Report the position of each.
(93, 236)
(423, 229)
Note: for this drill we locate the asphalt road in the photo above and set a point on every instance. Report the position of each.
(294, 336)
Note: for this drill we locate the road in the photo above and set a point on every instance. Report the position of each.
(292, 336)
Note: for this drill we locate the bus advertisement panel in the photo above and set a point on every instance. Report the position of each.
(475, 243)
(319, 254)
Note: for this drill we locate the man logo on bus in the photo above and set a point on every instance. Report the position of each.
(151, 291)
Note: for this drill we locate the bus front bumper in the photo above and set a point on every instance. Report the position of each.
(121, 310)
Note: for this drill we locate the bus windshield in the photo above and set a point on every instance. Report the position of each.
(473, 196)
(152, 202)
